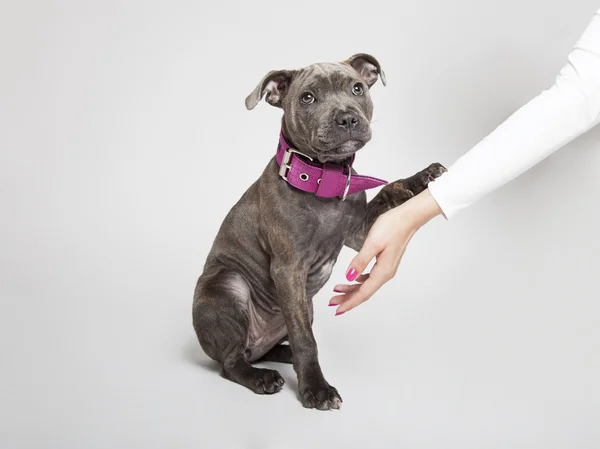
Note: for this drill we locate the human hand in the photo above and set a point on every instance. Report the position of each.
(386, 242)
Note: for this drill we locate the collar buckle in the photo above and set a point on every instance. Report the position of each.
(285, 163)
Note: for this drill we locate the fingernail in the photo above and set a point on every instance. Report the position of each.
(351, 275)
(331, 305)
(339, 313)
(337, 291)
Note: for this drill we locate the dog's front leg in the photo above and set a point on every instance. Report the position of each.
(290, 283)
(392, 195)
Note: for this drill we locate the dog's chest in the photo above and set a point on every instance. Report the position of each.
(319, 276)
(327, 243)
(328, 228)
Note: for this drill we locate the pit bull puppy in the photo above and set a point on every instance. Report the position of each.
(277, 246)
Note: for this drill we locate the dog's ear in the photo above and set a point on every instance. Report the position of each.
(367, 67)
(275, 84)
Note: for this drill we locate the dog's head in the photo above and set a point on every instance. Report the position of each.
(327, 106)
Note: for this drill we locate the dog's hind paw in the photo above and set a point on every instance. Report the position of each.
(267, 381)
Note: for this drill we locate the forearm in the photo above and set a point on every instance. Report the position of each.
(545, 124)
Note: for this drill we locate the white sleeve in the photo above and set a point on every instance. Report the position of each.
(545, 124)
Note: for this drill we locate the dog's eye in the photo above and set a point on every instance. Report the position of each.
(358, 89)
(307, 98)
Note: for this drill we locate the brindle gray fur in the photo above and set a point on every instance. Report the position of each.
(277, 246)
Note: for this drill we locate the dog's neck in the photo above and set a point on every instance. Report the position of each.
(291, 142)
(326, 180)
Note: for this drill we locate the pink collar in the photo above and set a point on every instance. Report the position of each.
(325, 180)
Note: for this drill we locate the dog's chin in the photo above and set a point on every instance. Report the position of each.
(349, 147)
(342, 152)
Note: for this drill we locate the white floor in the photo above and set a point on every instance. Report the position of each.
(94, 365)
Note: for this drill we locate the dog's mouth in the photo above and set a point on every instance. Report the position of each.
(340, 151)
(348, 147)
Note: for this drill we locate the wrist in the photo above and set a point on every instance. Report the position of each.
(418, 210)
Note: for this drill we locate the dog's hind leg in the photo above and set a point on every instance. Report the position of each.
(279, 353)
(220, 317)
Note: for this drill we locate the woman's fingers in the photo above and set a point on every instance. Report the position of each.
(347, 290)
(362, 277)
(362, 260)
(379, 275)
(354, 299)
(338, 299)
(344, 288)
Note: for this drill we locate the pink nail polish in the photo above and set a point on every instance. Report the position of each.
(351, 275)
(337, 291)
(331, 305)
(339, 313)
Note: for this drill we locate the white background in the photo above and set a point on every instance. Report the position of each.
(124, 141)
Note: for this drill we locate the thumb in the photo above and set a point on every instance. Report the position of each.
(361, 260)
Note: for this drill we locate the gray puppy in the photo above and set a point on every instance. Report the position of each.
(277, 246)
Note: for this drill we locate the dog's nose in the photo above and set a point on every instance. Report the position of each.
(346, 120)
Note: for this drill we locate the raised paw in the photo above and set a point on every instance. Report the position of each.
(323, 397)
(267, 381)
(434, 171)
